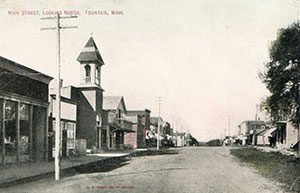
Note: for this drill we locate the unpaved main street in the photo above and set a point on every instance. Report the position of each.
(194, 169)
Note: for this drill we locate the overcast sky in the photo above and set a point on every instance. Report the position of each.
(201, 56)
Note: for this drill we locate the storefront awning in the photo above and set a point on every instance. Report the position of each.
(270, 132)
(117, 128)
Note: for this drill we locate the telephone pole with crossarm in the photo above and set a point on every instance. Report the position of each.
(58, 29)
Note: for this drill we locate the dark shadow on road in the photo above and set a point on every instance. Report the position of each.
(144, 172)
(105, 165)
(96, 167)
(155, 152)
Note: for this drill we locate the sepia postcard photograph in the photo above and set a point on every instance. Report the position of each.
(158, 96)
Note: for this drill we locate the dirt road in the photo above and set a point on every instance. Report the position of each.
(195, 169)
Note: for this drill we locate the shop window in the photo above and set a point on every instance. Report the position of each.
(24, 132)
(70, 128)
(71, 135)
(119, 115)
(10, 137)
(1, 135)
(103, 135)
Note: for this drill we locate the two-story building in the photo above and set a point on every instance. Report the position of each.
(115, 126)
(157, 124)
(68, 122)
(248, 129)
(286, 134)
(141, 124)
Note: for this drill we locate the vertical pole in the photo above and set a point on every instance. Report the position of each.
(158, 134)
(224, 137)
(108, 137)
(176, 138)
(18, 109)
(58, 88)
(298, 151)
(229, 130)
(57, 132)
(255, 127)
(100, 136)
(46, 136)
(30, 131)
(298, 12)
(3, 131)
(298, 114)
(158, 129)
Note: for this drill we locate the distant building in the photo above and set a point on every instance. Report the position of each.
(115, 124)
(247, 129)
(191, 141)
(181, 139)
(286, 134)
(68, 124)
(155, 122)
(141, 124)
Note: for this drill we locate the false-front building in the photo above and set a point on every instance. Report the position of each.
(23, 113)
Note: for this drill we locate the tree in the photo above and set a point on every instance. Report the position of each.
(282, 77)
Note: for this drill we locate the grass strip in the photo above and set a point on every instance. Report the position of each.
(273, 165)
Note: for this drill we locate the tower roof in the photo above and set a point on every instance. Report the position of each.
(90, 53)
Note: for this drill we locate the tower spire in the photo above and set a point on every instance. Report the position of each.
(90, 53)
(90, 64)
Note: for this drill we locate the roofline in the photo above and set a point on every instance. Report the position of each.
(85, 61)
(16, 68)
(121, 98)
(140, 111)
(88, 87)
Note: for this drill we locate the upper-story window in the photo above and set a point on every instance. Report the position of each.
(98, 120)
(119, 115)
(98, 75)
(87, 73)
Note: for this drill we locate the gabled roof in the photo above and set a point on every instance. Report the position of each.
(137, 112)
(263, 132)
(111, 102)
(90, 53)
(132, 119)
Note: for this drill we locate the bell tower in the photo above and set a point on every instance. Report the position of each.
(90, 95)
(90, 64)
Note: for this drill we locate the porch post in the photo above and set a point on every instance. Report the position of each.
(30, 132)
(3, 131)
(18, 131)
(277, 137)
(108, 137)
(100, 137)
(46, 133)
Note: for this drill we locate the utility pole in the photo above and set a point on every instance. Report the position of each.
(158, 130)
(229, 130)
(58, 29)
(173, 126)
(229, 125)
(255, 127)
